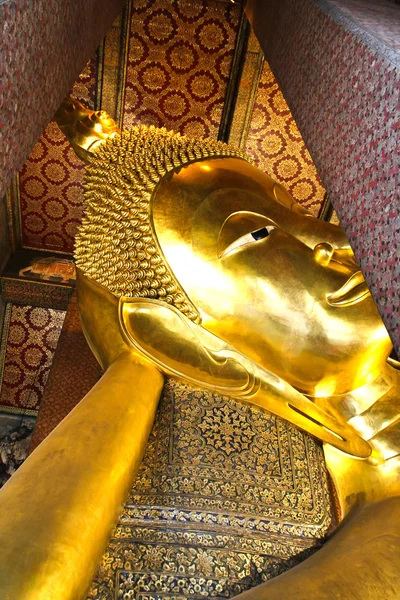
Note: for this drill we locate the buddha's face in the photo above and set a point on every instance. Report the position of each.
(268, 277)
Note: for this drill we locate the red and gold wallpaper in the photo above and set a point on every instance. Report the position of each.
(51, 182)
(277, 147)
(30, 336)
(175, 75)
(180, 55)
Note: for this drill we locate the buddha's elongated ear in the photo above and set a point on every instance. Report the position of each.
(181, 348)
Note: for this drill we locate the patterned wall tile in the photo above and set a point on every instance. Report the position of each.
(73, 373)
(277, 147)
(43, 46)
(30, 336)
(180, 54)
(51, 182)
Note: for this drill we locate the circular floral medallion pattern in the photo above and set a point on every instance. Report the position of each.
(195, 127)
(53, 134)
(190, 12)
(223, 65)
(292, 131)
(13, 375)
(260, 118)
(149, 117)
(271, 144)
(278, 103)
(142, 6)
(287, 168)
(138, 50)
(17, 336)
(34, 187)
(70, 227)
(214, 112)
(211, 36)
(133, 98)
(160, 26)
(38, 152)
(181, 57)
(34, 222)
(55, 240)
(28, 397)
(73, 193)
(54, 171)
(32, 356)
(154, 77)
(71, 159)
(202, 85)
(55, 209)
(303, 190)
(38, 318)
(174, 105)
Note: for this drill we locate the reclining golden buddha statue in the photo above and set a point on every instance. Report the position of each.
(193, 264)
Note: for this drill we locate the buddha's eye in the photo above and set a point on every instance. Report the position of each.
(249, 238)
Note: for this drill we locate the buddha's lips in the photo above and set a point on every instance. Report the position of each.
(354, 290)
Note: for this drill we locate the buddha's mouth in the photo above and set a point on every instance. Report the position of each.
(354, 290)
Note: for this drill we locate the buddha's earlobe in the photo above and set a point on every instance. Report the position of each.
(181, 348)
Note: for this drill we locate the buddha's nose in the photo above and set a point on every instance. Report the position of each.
(323, 253)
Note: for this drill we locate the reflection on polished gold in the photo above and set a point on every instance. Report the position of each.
(195, 264)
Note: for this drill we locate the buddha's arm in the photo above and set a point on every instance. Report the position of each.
(58, 509)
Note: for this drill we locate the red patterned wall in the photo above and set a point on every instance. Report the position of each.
(29, 342)
(43, 46)
(180, 54)
(277, 147)
(51, 182)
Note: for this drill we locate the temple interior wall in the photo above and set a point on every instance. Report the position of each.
(172, 64)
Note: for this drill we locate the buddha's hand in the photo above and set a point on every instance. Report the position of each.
(86, 129)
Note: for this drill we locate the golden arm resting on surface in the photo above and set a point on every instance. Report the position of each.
(58, 509)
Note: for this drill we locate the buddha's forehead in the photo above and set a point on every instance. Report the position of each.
(201, 196)
(191, 206)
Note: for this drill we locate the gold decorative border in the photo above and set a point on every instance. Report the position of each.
(246, 93)
(4, 338)
(14, 214)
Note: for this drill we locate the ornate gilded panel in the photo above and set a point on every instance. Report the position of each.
(227, 497)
